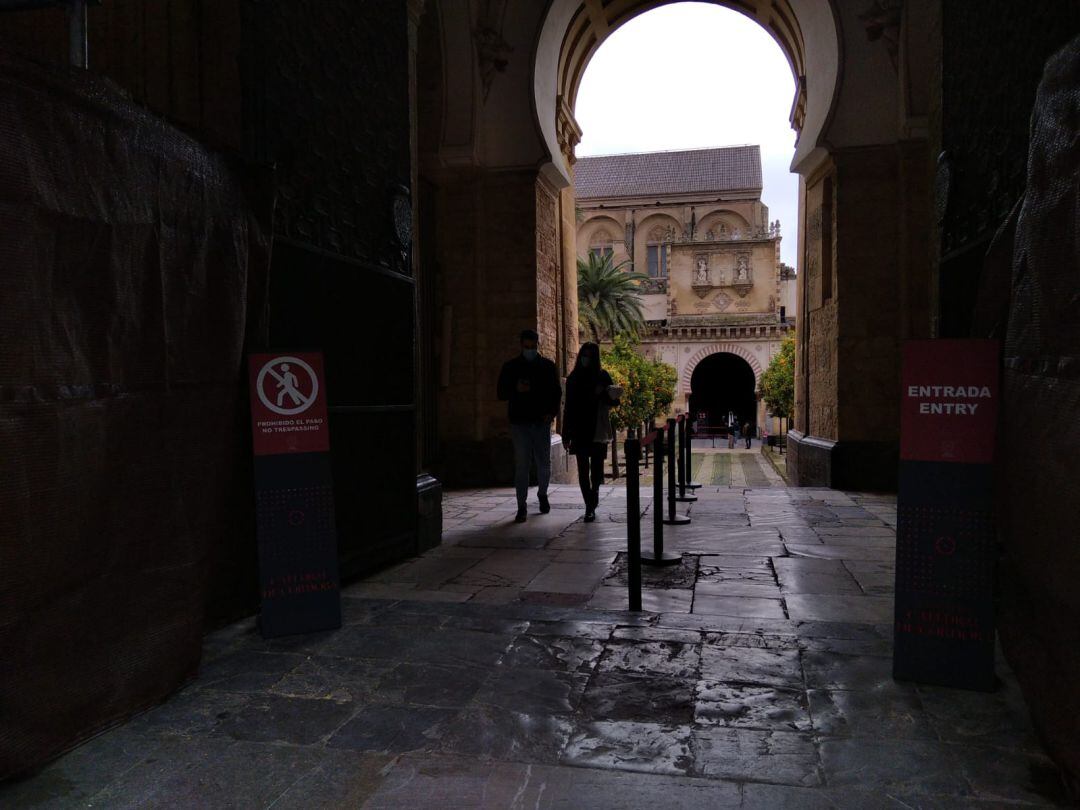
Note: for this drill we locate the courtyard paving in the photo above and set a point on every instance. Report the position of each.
(501, 670)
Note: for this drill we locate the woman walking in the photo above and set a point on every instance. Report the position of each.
(590, 394)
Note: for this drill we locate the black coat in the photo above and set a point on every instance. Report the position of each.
(543, 397)
(582, 403)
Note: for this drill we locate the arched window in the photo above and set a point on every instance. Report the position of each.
(601, 245)
(657, 251)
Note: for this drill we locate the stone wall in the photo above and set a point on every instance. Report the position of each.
(867, 295)
(549, 311)
(820, 335)
(499, 259)
(568, 241)
(822, 368)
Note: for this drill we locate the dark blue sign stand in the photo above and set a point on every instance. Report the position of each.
(294, 498)
(945, 547)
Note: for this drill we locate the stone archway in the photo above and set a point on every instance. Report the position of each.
(722, 391)
(720, 348)
(806, 31)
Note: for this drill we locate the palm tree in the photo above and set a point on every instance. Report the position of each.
(609, 298)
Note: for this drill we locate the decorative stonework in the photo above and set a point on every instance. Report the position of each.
(882, 22)
(702, 285)
(567, 130)
(492, 49)
(601, 239)
(722, 301)
(798, 109)
(653, 286)
(742, 276)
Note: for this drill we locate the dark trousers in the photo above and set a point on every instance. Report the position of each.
(748, 437)
(590, 471)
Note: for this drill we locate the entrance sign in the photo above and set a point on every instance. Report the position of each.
(944, 622)
(298, 569)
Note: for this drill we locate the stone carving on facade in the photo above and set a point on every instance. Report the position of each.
(882, 22)
(702, 285)
(701, 273)
(492, 50)
(601, 240)
(629, 243)
(567, 130)
(742, 276)
(722, 301)
(742, 270)
(798, 109)
(654, 285)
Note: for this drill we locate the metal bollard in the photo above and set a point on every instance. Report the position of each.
(632, 452)
(684, 463)
(657, 555)
(672, 519)
(688, 458)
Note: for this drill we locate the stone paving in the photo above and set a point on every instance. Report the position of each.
(501, 670)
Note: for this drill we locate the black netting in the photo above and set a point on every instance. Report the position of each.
(133, 269)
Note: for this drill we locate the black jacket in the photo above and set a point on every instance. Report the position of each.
(543, 397)
(582, 402)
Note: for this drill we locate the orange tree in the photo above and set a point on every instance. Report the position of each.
(648, 385)
(778, 381)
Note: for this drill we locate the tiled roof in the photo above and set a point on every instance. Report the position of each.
(727, 168)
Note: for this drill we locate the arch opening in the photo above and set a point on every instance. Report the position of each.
(722, 391)
(573, 30)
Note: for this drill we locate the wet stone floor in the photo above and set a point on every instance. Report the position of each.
(502, 670)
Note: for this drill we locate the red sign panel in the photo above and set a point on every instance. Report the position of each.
(288, 403)
(949, 401)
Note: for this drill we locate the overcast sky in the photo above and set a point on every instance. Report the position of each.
(693, 75)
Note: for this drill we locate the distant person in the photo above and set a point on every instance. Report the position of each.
(747, 432)
(590, 395)
(731, 435)
(529, 384)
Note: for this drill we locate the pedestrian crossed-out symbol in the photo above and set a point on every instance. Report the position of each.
(286, 394)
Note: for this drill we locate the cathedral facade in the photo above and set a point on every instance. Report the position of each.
(718, 301)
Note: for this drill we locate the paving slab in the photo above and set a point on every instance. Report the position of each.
(502, 669)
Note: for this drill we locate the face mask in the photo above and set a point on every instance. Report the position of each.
(529, 354)
(585, 362)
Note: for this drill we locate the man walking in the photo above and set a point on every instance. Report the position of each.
(747, 432)
(529, 384)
